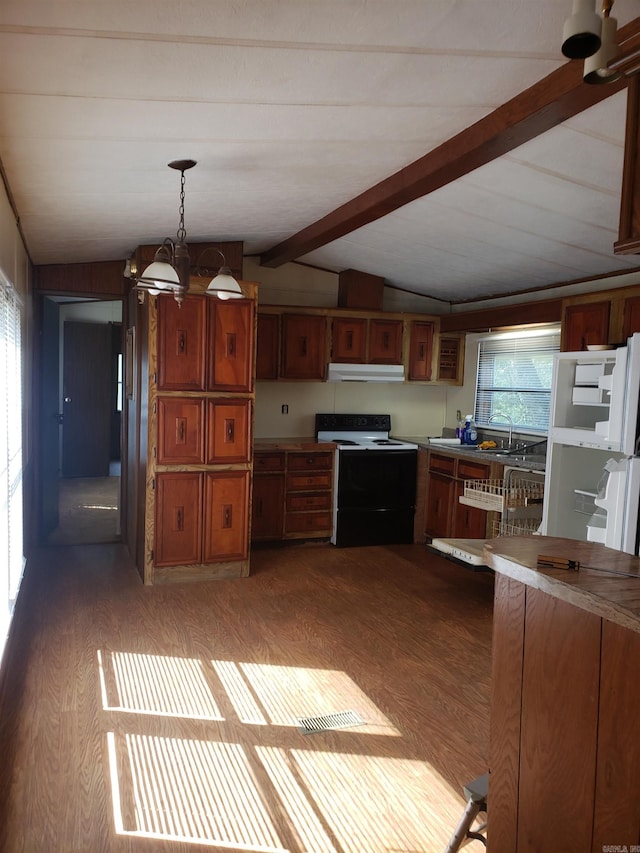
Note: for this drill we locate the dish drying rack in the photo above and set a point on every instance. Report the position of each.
(518, 497)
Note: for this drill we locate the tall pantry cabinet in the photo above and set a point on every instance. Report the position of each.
(201, 372)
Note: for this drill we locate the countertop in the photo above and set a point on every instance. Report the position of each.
(608, 596)
(530, 464)
(291, 444)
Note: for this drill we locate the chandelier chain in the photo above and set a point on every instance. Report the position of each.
(182, 234)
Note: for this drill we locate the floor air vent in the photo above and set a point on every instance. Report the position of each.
(342, 720)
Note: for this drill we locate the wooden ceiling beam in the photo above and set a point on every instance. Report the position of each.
(554, 99)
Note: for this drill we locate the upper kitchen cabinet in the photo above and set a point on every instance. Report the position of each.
(385, 341)
(231, 341)
(268, 346)
(585, 324)
(349, 340)
(304, 346)
(420, 351)
(450, 359)
(603, 317)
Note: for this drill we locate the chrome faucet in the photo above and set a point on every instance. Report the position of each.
(507, 418)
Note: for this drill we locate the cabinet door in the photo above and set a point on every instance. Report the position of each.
(420, 351)
(178, 518)
(231, 335)
(226, 516)
(228, 431)
(385, 341)
(304, 350)
(180, 431)
(440, 497)
(348, 340)
(585, 324)
(469, 522)
(267, 507)
(267, 348)
(181, 343)
(631, 320)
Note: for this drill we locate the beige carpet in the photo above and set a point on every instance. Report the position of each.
(88, 511)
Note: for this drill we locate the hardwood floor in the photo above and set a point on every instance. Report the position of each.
(164, 718)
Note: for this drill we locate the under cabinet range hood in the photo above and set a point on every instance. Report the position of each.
(365, 373)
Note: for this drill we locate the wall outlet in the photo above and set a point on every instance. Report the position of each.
(285, 409)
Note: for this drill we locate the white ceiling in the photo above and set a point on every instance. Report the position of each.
(292, 108)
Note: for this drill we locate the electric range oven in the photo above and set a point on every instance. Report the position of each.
(374, 494)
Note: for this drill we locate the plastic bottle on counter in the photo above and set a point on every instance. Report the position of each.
(460, 430)
(471, 430)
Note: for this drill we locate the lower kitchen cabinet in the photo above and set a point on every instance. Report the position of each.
(445, 516)
(267, 506)
(292, 495)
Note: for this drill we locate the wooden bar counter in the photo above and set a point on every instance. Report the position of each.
(564, 770)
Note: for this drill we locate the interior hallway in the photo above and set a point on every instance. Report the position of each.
(165, 718)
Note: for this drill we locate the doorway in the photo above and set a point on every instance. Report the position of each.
(82, 381)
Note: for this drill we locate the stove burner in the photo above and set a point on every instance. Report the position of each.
(343, 441)
(385, 441)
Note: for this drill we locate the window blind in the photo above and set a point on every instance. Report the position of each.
(11, 465)
(514, 378)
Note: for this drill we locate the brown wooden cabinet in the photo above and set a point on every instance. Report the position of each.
(178, 518)
(450, 361)
(226, 516)
(181, 344)
(268, 346)
(180, 431)
(308, 500)
(631, 317)
(420, 351)
(586, 323)
(444, 516)
(267, 505)
(230, 344)
(349, 340)
(385, 341)
(199, 436)
(228, 430)
(304, 346)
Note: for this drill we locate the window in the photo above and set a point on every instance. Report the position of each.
(11, 557)
(514, 378)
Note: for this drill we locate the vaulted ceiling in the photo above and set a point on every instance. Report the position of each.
(365, 134)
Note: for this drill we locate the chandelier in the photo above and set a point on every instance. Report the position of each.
(171, 267)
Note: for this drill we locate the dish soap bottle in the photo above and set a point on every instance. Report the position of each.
(470, 430)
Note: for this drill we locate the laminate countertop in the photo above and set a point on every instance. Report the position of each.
(532, 462)
(610, 596)
(291, 444)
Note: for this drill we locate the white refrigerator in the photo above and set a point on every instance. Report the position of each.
(592, 484)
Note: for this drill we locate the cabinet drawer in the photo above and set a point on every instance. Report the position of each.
(472, 470)
(268, 462)
(310, 500)
(309, 461)
(308, 522)
(303, 482)
(442, 464)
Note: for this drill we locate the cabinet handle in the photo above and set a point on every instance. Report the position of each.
(349, 340)
(180, 518)
(230, 429)
(181, 431)
(226, 516)
(437, 506)
(310, 460)
(231, 345)
(421, 353)
(182, 342)
(385, 340)
(303, 345)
